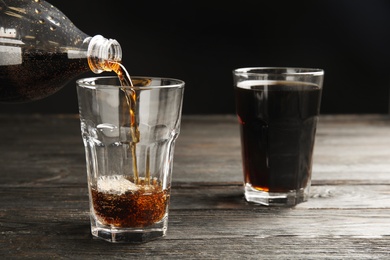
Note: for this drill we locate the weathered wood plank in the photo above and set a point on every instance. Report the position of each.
(200, 196)
(44, 201)
(59, 202)
(215, 234)
(353, 147)
(207, 150)
(252, 247)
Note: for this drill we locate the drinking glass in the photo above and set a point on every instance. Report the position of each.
(129, 136)
(277, 110)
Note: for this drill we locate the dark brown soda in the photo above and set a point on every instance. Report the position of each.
(277, 125)
(39, 75)
(139, 208)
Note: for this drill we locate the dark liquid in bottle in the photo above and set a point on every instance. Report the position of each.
(277, 125)
(38, 75)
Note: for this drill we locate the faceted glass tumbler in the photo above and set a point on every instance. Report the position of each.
(277, 110)
(129, 136)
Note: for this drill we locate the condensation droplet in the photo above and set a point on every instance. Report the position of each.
(37, 1)
(53, 28)
(41, 21)
(37, 11)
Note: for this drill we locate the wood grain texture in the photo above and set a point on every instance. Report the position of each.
(44, 201)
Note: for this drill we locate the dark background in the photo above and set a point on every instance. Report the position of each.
(201, 42)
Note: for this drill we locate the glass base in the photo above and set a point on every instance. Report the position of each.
(129, 235)
(290, 198)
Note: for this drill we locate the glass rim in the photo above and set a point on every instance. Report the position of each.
(90, 82)
(288, 71)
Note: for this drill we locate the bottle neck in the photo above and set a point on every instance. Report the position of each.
(103, 54)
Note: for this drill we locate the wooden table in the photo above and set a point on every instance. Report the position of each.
(44, 201)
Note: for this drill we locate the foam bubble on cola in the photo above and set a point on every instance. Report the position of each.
(115, 184)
